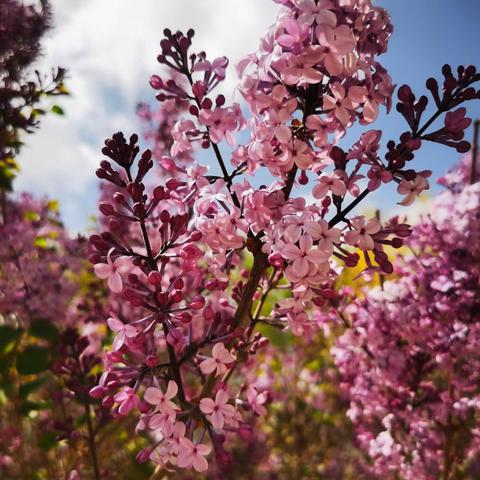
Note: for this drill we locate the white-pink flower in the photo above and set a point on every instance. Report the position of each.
(217, 410)
(163, 401)
(127, 399)
(113, 270)
(177, 434)
(122, 330)
(257, 401)
(163, 421)
(220, 360)
(317, 11)
(339, 103)
(361, 236)
(336, 43)
(412, 189)
(192, 455)
(333, 183)
(302, 256)
(301, 154)
(325, 236)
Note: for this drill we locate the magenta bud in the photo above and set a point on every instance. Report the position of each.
(162, 298)
(106, 208)
(156, 82)
(107, 402)
(405, 94)
(151, 361)
(164, 216)
(263, 342)
(211, 285)
(97, 392)
(303, 179)
(119, 197)
(178, 284)
(159, 193)
(190, 252)
(397, 242)
(197, 303)
(223, 457)
(245, 431)
(195, 236)
(185, 317)
(176, 296)
(276, 260)
(208, 313)
(113, 224)
(154, 278)
(143, 455)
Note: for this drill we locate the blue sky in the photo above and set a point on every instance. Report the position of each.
(110, 67)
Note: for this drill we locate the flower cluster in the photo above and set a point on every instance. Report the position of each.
(410, 361)
(178, 241)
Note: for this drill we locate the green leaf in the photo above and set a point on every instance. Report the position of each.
(29, 406)
(33, 360)
(58, 110)
(8, 336)
(41, 328)
(47, 441)
(6, 362)
(27, 388)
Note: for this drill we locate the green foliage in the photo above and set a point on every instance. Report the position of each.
(9, 336)
(34, 359)
(30, 387)
(42, 328)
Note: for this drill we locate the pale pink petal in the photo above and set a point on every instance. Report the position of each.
(200, 464)
(290, 252)
(216, 419)
(115, 324)
(153, 395)
(172, 390)
(208, 366)
(207, 405)
(184, 459)
(102, 270)
(115, 283)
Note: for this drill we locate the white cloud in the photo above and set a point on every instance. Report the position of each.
(110, 49)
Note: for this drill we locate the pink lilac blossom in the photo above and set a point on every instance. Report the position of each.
(410, 362)
(189, 301)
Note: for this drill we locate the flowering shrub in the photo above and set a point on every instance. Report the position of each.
(221, 320)
(414, 393)
(192, 256)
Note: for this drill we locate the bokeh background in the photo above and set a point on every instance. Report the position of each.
(110, 47)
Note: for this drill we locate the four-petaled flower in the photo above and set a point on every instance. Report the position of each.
(411, 189)
(192, 455)
(332, 183)
(113, 270)
(257, 401)
(302, 256)
(163, 401)
(221, 359)
(217, 410)
(361, 236)
(122, 330)
(127, 399)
